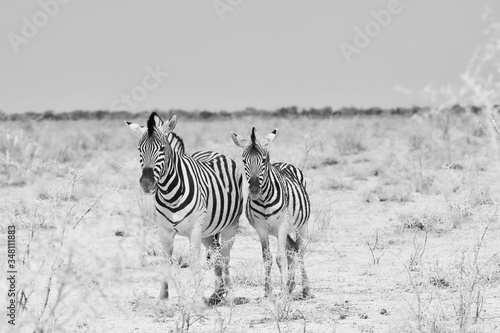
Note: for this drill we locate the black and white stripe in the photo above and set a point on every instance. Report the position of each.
(283, 188)
(206, 181)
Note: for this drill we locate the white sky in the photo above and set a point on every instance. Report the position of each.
(265, 54)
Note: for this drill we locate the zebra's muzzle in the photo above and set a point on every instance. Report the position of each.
(147, 181)
(254, 188)
(254, 195)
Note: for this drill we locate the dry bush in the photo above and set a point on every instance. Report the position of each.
(458, 196)
(350, 136)
(185, 307)
(376, 247)
(320, 222)
(453, 302)
(399, 176)
(425, 219)
(451, 298)
(422, 179)
(18, 148)
(248, 273)
(148, 239)
(419, 241)
(281, 309)
(50, 269)
(461, 203)
(390, 192)
(339, 184)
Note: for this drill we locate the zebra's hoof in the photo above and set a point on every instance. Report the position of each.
(268, 295)
(240, 300)
(215, 299)
(164, 291)
(268, 292)
(306, 293)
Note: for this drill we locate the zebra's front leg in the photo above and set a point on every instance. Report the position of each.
(195, 249)
(266, 256)
(167, 240)
(281, 258)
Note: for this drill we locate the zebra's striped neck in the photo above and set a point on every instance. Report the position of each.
(172, 184)
(176, 143)
(272, 187)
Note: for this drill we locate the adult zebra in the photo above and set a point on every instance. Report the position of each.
(278, 204)
(197, 196)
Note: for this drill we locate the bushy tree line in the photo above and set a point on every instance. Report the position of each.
(284, 112)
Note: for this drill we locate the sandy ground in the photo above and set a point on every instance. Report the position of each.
(110, 265)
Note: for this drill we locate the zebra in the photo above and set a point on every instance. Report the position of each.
(197, 196)
(278, 204)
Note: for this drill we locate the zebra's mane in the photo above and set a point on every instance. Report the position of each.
(152, 123)
(173, 139)
(176, 143)
(253, 137)
(254, 147)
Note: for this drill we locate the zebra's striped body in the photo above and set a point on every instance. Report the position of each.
(278, 205)
(204, 186)
(283, 192)
(197, 196)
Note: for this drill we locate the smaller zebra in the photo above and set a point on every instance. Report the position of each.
(277, 204)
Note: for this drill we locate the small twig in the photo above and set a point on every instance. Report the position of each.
(373, 248)
(495, 126)
(88, 210)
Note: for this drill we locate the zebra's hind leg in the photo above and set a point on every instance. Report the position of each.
(214, 258)
(301, 245)
(167, 240)
(195, 241)
(228, 236)
(291, 250)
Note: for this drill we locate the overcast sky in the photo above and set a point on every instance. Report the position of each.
(266, 54)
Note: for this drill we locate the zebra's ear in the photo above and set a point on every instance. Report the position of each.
(158, 121)
(269, 138)
(136, 128)
(240, 143)
(170, 124)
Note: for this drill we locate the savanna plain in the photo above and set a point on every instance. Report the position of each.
(403, 236)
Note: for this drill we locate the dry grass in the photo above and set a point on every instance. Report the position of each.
(93, 261)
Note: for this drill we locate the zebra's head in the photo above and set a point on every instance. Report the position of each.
(256, 160)
(154, 149)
